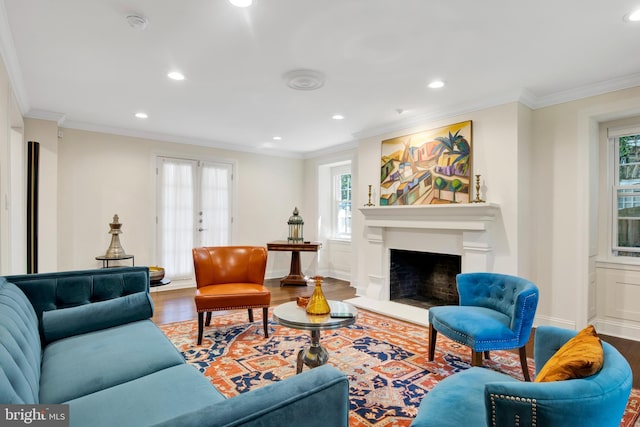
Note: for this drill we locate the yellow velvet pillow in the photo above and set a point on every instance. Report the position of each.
(579, 357)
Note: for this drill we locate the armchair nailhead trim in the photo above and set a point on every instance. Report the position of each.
(235, 307)
(532, 402)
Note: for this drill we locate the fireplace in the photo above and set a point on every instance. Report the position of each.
(423, 279)
(462, 230)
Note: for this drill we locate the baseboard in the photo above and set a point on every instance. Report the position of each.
(554, 321)
(617, 329)
(174, 285)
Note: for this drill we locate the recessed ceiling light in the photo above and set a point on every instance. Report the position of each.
(175, 75)
(142, 115)
(241, 3)
(633, 16)
(337, 117)
(436, 84)
(277, 138)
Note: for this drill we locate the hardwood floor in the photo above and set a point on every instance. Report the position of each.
(176, 306)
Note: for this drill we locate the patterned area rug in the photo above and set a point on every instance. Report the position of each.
(385, 360)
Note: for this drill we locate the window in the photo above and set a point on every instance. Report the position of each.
(341, 180)
(194, 209)
(626, 195)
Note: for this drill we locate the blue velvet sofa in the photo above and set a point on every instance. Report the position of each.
(85, 339)
(482, 397)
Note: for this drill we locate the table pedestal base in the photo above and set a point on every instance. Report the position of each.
(313, 356)
(295, 276)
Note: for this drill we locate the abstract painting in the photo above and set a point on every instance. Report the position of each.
(428, 167)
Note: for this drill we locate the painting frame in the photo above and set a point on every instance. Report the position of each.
(428, 167)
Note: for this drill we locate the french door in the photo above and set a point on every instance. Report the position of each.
(194, 209)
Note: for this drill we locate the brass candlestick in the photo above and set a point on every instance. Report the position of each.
(477, 199)
(369, 202)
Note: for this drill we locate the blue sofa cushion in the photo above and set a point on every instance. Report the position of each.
(20, 348)
(168, 393)
(66, 322)
(83, 364)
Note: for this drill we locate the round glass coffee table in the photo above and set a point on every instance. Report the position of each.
(293, 316)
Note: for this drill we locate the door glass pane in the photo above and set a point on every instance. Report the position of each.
(176, 216)
(214, 216)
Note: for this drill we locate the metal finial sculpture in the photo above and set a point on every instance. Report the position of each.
(115, 248)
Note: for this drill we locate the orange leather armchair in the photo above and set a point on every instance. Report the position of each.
(230, 278)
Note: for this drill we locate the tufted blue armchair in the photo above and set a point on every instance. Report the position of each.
(496, 312)
(483, 397)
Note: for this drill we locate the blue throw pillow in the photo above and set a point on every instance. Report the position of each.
(66, 322)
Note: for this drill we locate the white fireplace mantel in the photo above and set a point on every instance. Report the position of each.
(463, 229)
(462, 216)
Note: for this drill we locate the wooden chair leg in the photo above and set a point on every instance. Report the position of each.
(476, 358)
(208, 321)
(265, 321)
(523, 362)
(432, 342)
(250, 315)
(200, 326)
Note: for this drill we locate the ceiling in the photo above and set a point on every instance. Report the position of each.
(80, 62)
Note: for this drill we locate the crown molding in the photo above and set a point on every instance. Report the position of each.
(11, 63)
(334, 149)
(51, 116)
(523, 96)
(586, 91)
(178, 139)
(457, 110)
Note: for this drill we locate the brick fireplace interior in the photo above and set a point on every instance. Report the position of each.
(423, 279)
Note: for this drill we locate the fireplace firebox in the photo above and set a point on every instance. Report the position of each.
(423, 279)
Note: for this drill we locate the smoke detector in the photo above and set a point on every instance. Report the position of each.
(304, 79)
(137, 22)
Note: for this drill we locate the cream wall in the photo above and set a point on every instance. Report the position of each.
(496, 147)
(564, 205)
(539, 166)
(336, 259)
(12, 180)
(5, 173)
(100, 175)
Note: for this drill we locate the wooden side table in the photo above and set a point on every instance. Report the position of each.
(295, 276)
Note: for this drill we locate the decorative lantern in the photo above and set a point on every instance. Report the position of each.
(295, 227)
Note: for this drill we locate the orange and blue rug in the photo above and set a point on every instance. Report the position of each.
(385, 360)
